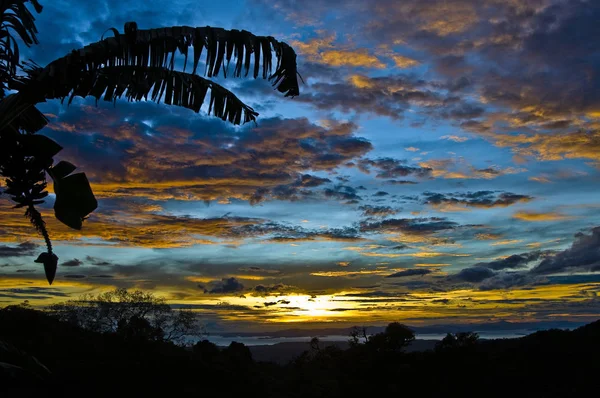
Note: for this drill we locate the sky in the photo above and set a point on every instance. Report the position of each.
(440, 165)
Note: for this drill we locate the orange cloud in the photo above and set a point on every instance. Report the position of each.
(404, 62)
(537, 217)
(507, 242)
(323, 51)
(432, 265)
(459, 169)
(487, 236)
(543, 180)
(357, 58)
(574, 145)
(336, 274)
(126, 227)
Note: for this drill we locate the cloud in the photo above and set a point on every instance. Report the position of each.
(478, 199)
(351, 58)
(459, 169)
(22, 249)
(378, 211)
(506, 242)
(349, 274)
(259, 270)
(74, 276)
(344, 193)
(71, 263)
(322, 50)
(454, 138)
(416, 226)
(410, 272)
(539, 217)
(404, 62)
(582, 256)
(389, 96)
(392, 168)
(272, 290)
(473, 274)
(514, 261)
(527, 63)
(144, 150)
(124, 225)
(223, 286)
(509, 280)
(552, 147)
(487, 236)
(401, 182)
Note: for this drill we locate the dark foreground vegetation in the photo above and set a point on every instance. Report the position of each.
(41, 355)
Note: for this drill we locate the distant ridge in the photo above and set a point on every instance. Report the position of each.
(442, 328)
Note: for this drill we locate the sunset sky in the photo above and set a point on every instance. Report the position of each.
(441, 165)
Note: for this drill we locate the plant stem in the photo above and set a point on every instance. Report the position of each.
(38, 222)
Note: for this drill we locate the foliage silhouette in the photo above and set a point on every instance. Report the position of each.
(553, 363)
(356, 334)
(394, 338)
(452, 341)
(138, 64)
(136, 315)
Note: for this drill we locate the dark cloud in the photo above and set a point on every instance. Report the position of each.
(410, 272)
(389, 96)
(272, 290)
(484, 199)
(514, 261)
(307, 180)
(74, 276)
(378, 211)
(223, 286)
(409, 225)
(279, 232)
(71, 263)
(22, 249)
(96, 261)
(342, 192)
(392, 168)
(259, 270)
(582, 256)
(463, 111)
(401, 182)
(508, 280)
(473, 274)
(380, 193)
(33, 292)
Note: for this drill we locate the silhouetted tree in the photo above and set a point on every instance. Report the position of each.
(395, 337)
(131, 313)
(138, 329)
(457, 341)
(138, 64)
(206, 350)
(238, 353)
(315, 344)
(357, 333)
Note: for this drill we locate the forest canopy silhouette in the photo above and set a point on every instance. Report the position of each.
(46, 352)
